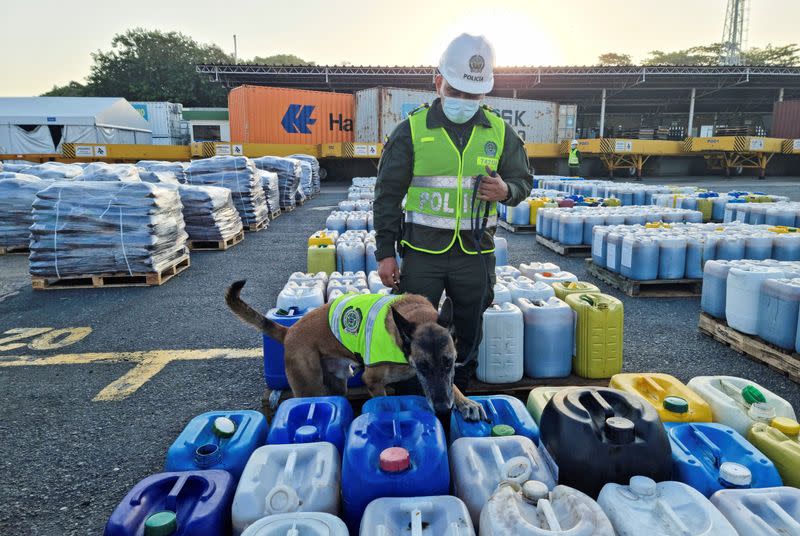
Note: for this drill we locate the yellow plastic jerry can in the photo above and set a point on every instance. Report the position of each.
(779, 442)
(672, 399)
(565, 288)
(598, 335)
(321, 238)
(535, 205)
(538, 399)
(705, 206)
(321, 259)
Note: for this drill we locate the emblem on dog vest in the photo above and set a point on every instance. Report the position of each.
(358, 321)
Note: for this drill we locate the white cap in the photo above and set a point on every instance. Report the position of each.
(735, 474)
(468, 63)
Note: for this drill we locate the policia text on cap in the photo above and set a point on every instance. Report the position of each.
(433, 159)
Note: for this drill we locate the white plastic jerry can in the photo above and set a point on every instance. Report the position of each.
(479, 464)
(738, 403)
(298, 524)
(532, 509)
(529, 270)
(281, 479)
(417, 516)
(500, 354)
(764, 511)
(664, 509)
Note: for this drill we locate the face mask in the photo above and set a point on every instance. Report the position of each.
(459, 111)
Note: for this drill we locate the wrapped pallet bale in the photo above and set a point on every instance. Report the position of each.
(269, 181)
(87, 228)
(159, 166)
(16, 166)
(17, 193)
(209, 213)
(306, 181)
(239, 175)
(102, 172)
(55, 171)
(159, 177)
(316, 183)
(288, 170)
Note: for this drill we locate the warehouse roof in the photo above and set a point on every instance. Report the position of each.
(109, 112)
(629, 88)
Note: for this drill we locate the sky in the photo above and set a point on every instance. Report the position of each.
(49, 42)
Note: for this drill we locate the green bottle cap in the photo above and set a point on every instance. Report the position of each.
(224, 427)
(500, 430)
(676, 404)
(751, 395)
(161, 524)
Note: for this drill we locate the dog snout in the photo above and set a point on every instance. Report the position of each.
(442, 407)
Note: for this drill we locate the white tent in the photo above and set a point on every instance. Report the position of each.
(36, 125)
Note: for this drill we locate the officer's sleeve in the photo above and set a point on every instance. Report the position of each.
(514, 168)
(394, 177)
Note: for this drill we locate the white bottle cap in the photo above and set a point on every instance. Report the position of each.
(735, 474)
(643, 486)
(761, 411)
(533, 490)
(518, 469)
(281, 499)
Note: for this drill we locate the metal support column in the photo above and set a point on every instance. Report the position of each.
(514, 95)
(691, 114)
(780, 95)
(603, 114)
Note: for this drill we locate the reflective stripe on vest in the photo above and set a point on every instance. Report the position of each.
(365, 333)
(573, 157)
(440, 194)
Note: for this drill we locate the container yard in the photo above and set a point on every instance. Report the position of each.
(251, 293)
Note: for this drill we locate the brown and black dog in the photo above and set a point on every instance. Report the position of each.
(317, 364)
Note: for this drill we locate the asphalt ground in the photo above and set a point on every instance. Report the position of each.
(86, 413)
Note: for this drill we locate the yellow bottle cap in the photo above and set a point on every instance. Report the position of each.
(790, 427)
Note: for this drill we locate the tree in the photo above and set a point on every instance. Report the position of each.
(150, 65)
(787, 55)
(281, 59)
(699, 55)
(612, 58)
(72, 89)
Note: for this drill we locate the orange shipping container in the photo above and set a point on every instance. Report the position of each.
(280, 115)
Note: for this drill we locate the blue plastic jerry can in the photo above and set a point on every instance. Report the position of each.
(396, 404)
(308, 420)
(710, 457)
(507, 416)
(392, 455)
(218, 440)
(176, 504)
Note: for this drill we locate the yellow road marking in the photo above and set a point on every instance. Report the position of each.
(45, 338)
(147, 364)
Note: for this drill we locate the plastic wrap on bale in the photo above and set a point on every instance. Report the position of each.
(239, 175)
(83, 228)
(102, 172)
(17, 193)
(289, 173)
(209, 213)
(269, 182)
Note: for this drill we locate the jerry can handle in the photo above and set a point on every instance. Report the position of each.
(709, 445)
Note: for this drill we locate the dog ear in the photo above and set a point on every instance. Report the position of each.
(404, 327)
(446, 314)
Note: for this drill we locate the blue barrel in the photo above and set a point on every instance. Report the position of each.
(779, 304)
(312, 419)
(599, 245)
(731, 248)
(178, 504)
(614, 251)
(570, 230)
(500, 251)
(506, 416)
(639, 258)
(715, 285)
(710, 457)
(218, 440)
(274, 367)
(396, 404)
(392, 455)
(589, 223)
(672, 257)
(786, 247)
(520, 214)
(639, 197)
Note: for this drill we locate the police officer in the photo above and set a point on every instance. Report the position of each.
(574, 159)
(432, 158)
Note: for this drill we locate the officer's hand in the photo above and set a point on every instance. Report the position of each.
(492, 188)
(389, 272)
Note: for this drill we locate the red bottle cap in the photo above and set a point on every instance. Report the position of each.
(394, 460)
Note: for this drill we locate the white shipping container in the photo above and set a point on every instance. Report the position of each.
(379, 110)
(164, 118)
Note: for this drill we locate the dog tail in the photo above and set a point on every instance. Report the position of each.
(248, 315)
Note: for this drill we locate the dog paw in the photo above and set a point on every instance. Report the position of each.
(471, 410)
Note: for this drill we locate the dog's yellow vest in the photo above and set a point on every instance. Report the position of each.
(358, 321)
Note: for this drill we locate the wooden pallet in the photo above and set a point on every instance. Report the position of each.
(287, 209)
(358, 395)
(512, 228)
(257, 226)
(657, 288)
(216, 245)
(122, 279)
(274, 215)
(19, 250)
(783, 361)
(581, 250)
